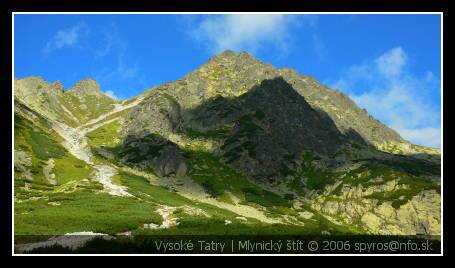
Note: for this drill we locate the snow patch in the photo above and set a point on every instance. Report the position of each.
(69, 240)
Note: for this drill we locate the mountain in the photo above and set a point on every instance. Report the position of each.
(77, 105)
(236, 146)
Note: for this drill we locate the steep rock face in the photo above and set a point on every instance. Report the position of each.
(146, 133)
(346, 115)
(84, 87)
(148, 151)
(158, 113)
(266, 128)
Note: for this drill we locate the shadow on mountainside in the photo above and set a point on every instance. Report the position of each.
(272, 126)
(266, 128)
(262, 133)
(153, 152)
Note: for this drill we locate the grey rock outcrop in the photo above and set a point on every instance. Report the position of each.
(153, 152)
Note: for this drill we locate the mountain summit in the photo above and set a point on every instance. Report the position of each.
(87, 86)
(230, 75)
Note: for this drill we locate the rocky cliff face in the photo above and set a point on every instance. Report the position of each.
(266, 128)
(152, 152)
(85, 87)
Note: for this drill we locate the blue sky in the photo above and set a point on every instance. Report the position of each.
(388, 64)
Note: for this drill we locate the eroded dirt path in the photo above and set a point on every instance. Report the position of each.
(104, 174)
(169, 220)
(118, 108)
(86, 130)
(48, 171)
(76, 143)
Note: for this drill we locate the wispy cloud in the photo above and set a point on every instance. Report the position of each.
(123, 70)
(106, 44)
(397, 97)
(69, 37)
(391, 63)
(310, 20)
(112, 41)
(126, 71)
(249, 32)
(111, 94)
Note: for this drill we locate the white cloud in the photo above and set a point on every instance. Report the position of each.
(244, 31)
(69, 37)
(391, 63)
(429, 136)
(111, 94)
(102, 42)
(400, 99)
(125, 71)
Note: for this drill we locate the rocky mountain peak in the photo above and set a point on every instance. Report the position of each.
(227, 54)
(36, 85)
(57, 85)
(231, 75)
(86, 86)
(230, 56)
(288, 72)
